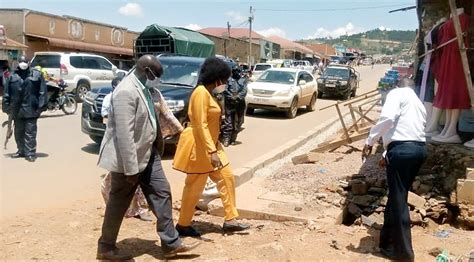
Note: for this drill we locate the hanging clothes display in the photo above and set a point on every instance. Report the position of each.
(427, 81)
(452, 87)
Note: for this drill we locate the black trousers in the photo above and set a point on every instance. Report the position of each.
(234, 118)
(25, 131)
(157, 192)
(404, 160)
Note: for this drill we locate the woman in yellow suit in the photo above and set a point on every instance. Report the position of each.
(199, 153)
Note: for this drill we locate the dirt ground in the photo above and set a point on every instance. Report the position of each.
(71, 234)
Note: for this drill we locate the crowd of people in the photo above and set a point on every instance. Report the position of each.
(138, 119)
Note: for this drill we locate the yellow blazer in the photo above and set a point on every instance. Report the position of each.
(201, 137)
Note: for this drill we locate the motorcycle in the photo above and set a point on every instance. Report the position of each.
(58, 98)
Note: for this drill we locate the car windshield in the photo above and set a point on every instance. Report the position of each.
(262, 67)
(47, 61)
(336, 72)
(279, 77)
(182, 73)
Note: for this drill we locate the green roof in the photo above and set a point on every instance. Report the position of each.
(186, 42)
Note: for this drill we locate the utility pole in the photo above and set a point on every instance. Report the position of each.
(226, 39)
(250, 37)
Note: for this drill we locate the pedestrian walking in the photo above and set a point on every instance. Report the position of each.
(199, 153)
(24, 99)
(131, 150)
(138, 207)
(401, 126)
(234, 103)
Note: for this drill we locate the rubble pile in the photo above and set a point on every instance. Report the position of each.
(432, 197)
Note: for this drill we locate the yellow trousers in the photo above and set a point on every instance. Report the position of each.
(194, 186)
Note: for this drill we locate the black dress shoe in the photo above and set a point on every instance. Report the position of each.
(17, 155)
(391, 254)
(114, 254)
(234, 226)
(30, 158)
(187, 231)
(183, 248)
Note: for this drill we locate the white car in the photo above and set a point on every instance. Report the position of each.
(303, 64)
(259, 68)
(284, 89)
(80, 71)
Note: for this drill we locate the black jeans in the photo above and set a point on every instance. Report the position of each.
(157, 192)
(25, 131)
(404, 160)
(234, 118)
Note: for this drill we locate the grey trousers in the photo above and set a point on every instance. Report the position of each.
(157, 192)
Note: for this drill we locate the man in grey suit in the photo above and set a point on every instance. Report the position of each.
(131, 150)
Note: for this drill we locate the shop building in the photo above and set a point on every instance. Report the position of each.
(47, 32)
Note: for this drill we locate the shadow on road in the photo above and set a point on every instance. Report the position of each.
(91, 148)
(55, 116)
(38, 155)
(277, 115)
(138, 247)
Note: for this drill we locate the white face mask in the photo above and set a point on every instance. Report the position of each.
(23, 65)
(155, 83)
(219, 89)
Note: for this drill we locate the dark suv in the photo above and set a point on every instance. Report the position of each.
(177, 83)
(338, 80)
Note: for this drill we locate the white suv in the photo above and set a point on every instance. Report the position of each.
(80, 71)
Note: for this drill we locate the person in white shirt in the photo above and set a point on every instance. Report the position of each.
(401, 126)
(106, 102)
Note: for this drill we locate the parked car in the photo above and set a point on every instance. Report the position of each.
(80, 71)
(338, 80)
(258, 69)
(178, 81)
(284, 89)
(303, 64)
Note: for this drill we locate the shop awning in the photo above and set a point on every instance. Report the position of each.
(85, 46)
(10, 44)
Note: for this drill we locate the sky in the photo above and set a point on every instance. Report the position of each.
(292, 19)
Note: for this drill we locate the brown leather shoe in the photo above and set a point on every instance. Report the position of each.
(114, 254)
(183, 248)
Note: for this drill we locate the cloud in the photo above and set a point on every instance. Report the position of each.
(348, 29)
(383, 28)
(131, 9)
(273, 31)
(236, 16)
(194, 27)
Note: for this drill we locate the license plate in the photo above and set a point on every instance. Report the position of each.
(261, 100)
(331, 85)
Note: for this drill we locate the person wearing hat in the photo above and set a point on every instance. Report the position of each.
(25, 98)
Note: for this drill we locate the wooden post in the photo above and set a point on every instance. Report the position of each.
(462, 49)
(343, 124)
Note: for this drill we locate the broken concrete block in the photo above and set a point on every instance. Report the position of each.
(375, 220)
(416, 218)
(415, 200)
(365, 200)
(309, 158)
(377, 191)
(465, 191)
(354, 209)
(359, 188)
(470, 173)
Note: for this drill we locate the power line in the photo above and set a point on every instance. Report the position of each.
(330, 9)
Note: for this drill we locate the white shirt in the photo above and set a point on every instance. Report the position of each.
(106, 105)
(403, 118)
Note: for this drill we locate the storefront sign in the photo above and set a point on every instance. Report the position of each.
(3, 34)
(76, 29)
(52, 26)
(117, 37)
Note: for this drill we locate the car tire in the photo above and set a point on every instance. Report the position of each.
(96, 139)
(293, 110)
(347, 95)
(354, 93)
(312, 104)
(81, 90)
(250, 111)
(320, 94)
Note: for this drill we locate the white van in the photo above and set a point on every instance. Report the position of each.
(80, 71)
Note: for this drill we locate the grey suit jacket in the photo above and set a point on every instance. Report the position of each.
(127, 144)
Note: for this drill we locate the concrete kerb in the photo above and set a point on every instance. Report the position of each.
(246, 173)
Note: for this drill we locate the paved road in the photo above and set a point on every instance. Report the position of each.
(66, 170)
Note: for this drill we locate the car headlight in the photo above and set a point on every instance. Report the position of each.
(343, 82)
(320, 81)
(175, 105)
(284, 92)
(91, 96)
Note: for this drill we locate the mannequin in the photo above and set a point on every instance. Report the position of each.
(452, 93)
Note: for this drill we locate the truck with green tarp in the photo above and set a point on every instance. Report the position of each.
(156, 39)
